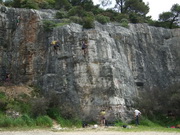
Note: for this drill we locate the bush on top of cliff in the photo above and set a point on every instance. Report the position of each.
(134, 11)
(88, 22)
(111, 14)
(77, 15)
(49, 25)
(61, 14)
(30, 4)
(76, 11)
(76, 19)
(102, 19)
(124, 23)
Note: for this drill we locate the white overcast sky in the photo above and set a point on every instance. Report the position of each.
(156, 6)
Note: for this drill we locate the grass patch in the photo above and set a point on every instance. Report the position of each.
(69, 122)
(120, 123)
(49, 25)
(62, 24)
(148, 123)
(29, 121)
(142, 128)
(145, 125)
(44, 121)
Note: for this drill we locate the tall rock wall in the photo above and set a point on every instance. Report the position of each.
(120, 61)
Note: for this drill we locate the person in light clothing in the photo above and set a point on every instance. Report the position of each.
(137, 113)
(102, 118)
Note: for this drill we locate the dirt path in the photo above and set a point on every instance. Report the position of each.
(43, 132)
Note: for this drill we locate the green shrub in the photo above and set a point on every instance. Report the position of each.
(6, 122)
(96, 10)
(19, 122)
(102, 19)
(77, 11)
(53, 113)
(1, 114)
(147, 122)
(120, 123)
(124, 23)
(160, 103)
(76, 19)
(120, 17)
(29, 121)
(64, 122)
(44, 121)
(69, 122)
(165, 121)
(88, 22)
(61, 24)
(39, 107)
(135, 18)
(63, 4)
(44, 5)
(31, 4)
(88, 14)
(2, 95)
(10, 122)
(48, 25)
(111, 14)
(14, 105)
(3, 101)
(61, 14)
(8, 3)
(24, 120)
(65, 21)
(160, 24)
(73, 11)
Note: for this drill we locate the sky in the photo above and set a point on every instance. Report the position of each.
(156, 6)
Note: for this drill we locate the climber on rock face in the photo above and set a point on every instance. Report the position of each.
(85, 46)
(18, 20)
(7, 77)
(55, 44)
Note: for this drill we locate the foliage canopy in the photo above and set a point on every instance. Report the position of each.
(134, 11)
(171, 17)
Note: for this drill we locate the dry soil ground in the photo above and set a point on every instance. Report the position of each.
(44, 132)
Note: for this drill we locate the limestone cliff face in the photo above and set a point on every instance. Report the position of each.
(120, 61)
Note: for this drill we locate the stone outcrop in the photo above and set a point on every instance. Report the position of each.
(120, 61)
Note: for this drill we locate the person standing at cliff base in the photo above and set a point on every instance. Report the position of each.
(137, 113)
(102, 118)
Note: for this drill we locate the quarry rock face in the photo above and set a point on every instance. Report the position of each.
(119, 63)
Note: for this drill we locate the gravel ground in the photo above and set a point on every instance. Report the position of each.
(44, 132)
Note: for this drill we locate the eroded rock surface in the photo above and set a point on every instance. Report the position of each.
(120, 61)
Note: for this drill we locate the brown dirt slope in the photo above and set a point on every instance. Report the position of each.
(14, 91)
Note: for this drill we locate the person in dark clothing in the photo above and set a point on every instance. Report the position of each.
(7, 78)
(85, 47)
